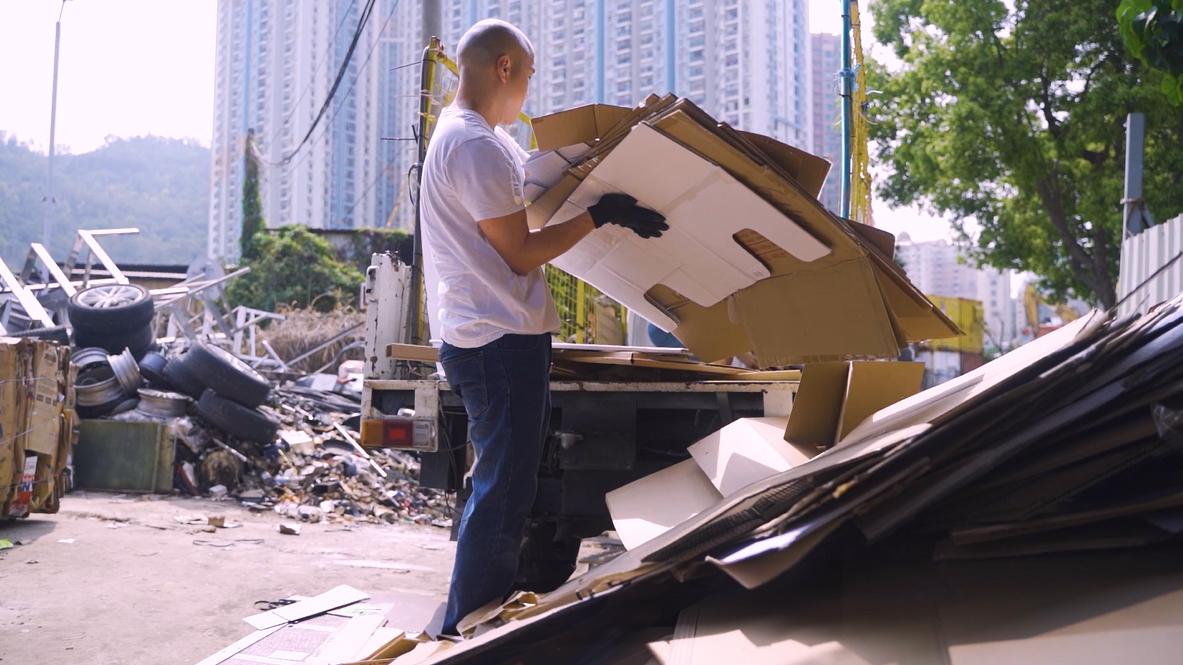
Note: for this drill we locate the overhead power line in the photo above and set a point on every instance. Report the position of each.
(366, 12)
(317, 65)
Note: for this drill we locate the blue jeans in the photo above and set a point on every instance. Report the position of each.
(505, 387)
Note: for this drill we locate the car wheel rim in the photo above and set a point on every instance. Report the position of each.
(110, 296)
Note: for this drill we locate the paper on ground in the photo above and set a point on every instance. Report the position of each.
(647, 508)
(704, 206)
(745, 451)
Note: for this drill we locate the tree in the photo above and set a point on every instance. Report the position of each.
(291, 266)
(1011, 115)
(1153, 31)
(252, 203)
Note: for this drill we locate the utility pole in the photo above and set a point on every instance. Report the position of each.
(430, 29)
(847, 75)
(1135, 213)
(47, 221)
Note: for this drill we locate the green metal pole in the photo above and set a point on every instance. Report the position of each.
(847, 75)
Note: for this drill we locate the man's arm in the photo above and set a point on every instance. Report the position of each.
(523, 250)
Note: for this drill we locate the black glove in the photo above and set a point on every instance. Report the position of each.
(623, 210)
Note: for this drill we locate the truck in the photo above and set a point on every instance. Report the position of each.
(603, 433)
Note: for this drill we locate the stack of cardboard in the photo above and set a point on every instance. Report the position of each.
(1066, 448)
(752, 262)
(37, 425)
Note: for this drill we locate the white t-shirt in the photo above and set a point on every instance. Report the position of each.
(473, 172)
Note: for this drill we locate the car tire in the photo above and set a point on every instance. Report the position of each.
(138, 341)
(110, 308)
(226, 375)
(236, 419)
(152, 369)
(176, 373)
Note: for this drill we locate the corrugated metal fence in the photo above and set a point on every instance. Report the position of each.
(1151, 267)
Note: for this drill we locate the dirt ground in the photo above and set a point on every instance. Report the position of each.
(121, 580)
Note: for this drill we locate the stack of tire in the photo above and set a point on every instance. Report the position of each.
(227, 390)
(113, 317)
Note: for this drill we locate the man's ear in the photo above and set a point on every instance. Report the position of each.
(504, 66)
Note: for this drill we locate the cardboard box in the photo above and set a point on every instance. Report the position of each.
(37, 424)
(724, 284)
(835, 397)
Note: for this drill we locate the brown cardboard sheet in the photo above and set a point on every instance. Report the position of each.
(582, 124)
(835, 397)
(1106, 608)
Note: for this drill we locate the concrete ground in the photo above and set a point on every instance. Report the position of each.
(121, 580)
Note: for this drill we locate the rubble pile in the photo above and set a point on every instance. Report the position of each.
(295, 453)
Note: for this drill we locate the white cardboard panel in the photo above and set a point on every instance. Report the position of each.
(647, 508)
(704, 206)
(745, 451)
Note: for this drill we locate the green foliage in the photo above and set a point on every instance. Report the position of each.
(295, 268)
(160, 186)
(369, 241)
(1012, 115)
(1153, 31)
(252, 202)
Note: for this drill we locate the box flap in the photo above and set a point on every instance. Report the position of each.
(818, 405)
(831, 314)
(871, 386)
(582, 124)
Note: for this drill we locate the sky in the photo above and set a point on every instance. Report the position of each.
(137, 67)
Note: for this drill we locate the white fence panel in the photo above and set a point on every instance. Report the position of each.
(1151, 267)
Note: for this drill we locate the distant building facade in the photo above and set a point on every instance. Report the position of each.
(938, 268)
(746, 62)
(826, 51)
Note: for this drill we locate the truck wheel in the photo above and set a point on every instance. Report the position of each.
(227, 375)
(236, 419)
(545, 562)
(110, 308)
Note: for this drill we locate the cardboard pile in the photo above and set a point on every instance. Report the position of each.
(752, 262)
(37, 425)
(341, 625)
(1067, 447)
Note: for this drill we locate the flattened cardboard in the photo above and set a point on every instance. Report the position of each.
(697, 256)
(338, 596)
(835, 397)
(745, 451)
(808, 170)
(940, 400)
(647, 508)
(715, 331)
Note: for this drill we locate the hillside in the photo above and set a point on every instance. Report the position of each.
(159, 185)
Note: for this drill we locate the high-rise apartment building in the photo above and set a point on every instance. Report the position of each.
(939, 268)
(827, 135)
(276, 61)
(744, 61)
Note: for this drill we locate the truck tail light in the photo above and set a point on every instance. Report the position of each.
(398, 432)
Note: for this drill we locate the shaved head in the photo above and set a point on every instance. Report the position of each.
(496, 62)
(488, 40)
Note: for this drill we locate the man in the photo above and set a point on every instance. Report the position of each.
(487, 291)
